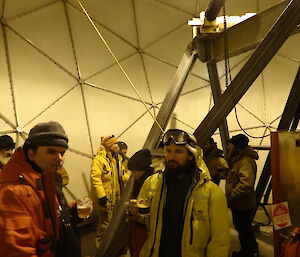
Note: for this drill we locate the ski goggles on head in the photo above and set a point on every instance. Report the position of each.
(179, 137)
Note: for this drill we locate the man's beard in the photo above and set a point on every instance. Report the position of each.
(207, 151)
(174, 171)
(233, 153)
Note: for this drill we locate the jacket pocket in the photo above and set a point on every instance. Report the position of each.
(200, 224)
(233, 178)
(19, 231)
(18, 223)
(106, 169)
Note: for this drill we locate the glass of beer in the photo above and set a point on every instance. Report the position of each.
(84, 207)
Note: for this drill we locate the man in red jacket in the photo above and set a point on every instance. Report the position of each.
(35, 220)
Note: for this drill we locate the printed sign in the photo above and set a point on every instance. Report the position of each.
(281, 216)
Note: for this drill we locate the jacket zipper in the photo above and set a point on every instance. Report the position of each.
(157, 216)
(191, 229)
(195, 181)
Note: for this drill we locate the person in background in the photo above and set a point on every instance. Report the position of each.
(35, 219)
(215, 162)
(123, 151)
(7, 146)
(188, 212)
(140, 166)
(108, 178)
(240, 192)
(158, 159)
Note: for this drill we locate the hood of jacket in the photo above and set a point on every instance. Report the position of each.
(18, 169)
(102, 151)
(247, 152)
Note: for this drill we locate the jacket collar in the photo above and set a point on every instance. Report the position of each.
(19, 170)
(248, 151)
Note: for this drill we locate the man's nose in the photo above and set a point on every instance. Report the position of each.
(171, 157)
(59, 156)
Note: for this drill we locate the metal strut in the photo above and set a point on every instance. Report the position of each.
(172, 96)
(280, 31)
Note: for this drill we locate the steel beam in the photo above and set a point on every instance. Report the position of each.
(213, 9)
(242, 37)
(288, 115)
(216, 92)
(296, 119)
(172, 96)
(292, 104)
(260, 147)
(281, 30)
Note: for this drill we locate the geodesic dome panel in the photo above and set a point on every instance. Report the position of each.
(54, 66)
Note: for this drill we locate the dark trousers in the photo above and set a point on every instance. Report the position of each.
(242, 221)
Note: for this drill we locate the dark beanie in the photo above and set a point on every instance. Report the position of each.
(241, 141)
(46, 134)
(6, 142)
(141, 160)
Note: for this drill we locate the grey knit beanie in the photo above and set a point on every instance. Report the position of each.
(46, 134)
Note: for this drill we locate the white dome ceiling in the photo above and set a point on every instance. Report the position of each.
(54, 66)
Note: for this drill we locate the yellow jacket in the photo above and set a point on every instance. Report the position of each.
(106, 179)
(64, 176)
(206, 221)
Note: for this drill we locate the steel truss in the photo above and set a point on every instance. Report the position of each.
(270, 29)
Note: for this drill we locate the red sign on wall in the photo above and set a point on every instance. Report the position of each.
(281, 216)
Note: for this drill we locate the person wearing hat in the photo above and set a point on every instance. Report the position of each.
(123, 147)
(140, 166)
(123, 151)
(108, 178)
(214, 159)
(35, 219)
(240, 192)
(7, 146)
(188, 212)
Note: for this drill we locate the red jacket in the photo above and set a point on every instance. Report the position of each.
(25, 226)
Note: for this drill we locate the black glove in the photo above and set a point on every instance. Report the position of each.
(102, 201)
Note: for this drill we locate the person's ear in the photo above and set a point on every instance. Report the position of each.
(30, 154)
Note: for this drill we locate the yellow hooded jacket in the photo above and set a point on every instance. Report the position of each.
(206, 221)
(105, 180)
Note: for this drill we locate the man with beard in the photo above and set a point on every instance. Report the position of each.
(214, 159)
(240, 192)
(108, 178)
(7, 146)
(188, 212)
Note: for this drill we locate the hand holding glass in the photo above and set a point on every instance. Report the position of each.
(84, 207)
